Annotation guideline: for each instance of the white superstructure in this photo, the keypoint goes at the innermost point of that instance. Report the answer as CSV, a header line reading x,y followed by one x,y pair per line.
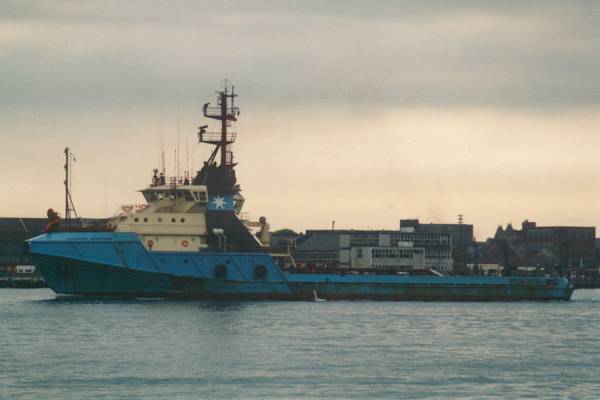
x,y
172,220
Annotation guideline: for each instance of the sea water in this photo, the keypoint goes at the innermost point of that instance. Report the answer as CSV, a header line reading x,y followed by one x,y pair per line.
x,y
71,348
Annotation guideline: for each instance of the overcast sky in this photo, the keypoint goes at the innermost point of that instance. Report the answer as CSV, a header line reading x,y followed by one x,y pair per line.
x,y
359,112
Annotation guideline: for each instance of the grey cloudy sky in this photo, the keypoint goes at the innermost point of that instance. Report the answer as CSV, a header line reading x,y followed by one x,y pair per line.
x,y
426,109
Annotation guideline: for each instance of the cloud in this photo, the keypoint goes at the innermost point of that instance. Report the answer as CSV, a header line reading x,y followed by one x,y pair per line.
x,y
508,55
389,109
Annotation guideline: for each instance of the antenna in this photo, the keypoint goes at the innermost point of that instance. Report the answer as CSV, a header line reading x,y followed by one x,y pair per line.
x,y
105,195
187,157
178,136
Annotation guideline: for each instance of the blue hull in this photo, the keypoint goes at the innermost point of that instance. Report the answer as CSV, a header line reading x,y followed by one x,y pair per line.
x,y
118,265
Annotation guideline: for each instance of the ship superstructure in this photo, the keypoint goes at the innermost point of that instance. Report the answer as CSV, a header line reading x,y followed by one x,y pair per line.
x,y
180,215
174,218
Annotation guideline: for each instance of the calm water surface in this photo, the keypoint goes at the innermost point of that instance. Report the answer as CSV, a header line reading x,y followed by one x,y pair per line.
x,y
66,348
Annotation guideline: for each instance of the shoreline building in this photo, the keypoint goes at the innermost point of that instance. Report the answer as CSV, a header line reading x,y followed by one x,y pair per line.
x,y
16,269
553,248
375,249
462,240
13,233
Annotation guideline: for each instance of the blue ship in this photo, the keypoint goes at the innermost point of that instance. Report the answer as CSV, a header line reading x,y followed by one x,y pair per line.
x,y
189,242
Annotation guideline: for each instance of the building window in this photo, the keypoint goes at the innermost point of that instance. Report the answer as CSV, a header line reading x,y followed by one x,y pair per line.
x,y
367,239
358,253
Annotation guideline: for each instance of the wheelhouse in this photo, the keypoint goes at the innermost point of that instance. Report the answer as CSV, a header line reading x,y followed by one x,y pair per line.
x,y
196,194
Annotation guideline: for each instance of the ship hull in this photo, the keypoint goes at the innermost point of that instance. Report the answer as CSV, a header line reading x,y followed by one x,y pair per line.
x,y
118,265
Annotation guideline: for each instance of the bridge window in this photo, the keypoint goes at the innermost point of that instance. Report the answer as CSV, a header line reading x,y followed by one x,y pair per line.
x,y
188,195
149,196
201,196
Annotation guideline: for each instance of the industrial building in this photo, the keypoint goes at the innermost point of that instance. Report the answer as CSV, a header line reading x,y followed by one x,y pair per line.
x,y
13,232
550,247
378,249
461,234
16,268
442,247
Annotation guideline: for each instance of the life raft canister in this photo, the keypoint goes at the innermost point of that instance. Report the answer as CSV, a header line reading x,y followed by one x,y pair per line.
x,y
260,271
220,271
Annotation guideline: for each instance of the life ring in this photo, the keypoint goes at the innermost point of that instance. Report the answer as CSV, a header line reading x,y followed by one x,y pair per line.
x,y
150,243
184,243
260,271
220,271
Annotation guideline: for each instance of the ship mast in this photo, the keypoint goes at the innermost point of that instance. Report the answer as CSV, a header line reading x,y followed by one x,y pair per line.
x,y
226,113
69,206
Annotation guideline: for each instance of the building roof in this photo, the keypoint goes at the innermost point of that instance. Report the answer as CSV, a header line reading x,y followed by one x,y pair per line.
x,y
319,240
349,231
30,225
27,225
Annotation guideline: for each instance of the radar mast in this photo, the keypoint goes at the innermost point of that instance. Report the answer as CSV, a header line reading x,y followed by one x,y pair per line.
x,y
226,112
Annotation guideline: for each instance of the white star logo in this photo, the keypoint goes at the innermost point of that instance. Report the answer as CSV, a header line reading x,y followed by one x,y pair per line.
x,y
219,202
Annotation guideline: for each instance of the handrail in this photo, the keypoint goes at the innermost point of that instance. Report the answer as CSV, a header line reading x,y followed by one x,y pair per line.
x,y
216,137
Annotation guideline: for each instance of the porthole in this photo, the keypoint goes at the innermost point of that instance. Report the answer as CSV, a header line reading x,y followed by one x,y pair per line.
x,y
136,219
159,219
220,271
173,220
260,271
182,220
145,219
